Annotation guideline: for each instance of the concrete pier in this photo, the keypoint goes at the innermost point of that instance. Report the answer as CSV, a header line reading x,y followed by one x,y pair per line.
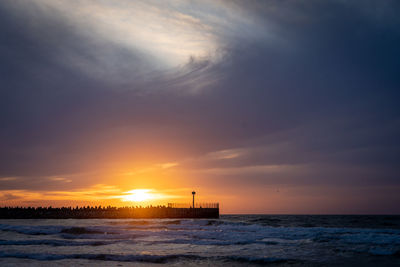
x,y
206,210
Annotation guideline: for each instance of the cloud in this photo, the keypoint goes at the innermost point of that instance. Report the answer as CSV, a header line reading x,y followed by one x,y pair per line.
x,y
306,87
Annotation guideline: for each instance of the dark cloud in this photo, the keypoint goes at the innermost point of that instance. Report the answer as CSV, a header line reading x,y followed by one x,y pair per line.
x,y
319,90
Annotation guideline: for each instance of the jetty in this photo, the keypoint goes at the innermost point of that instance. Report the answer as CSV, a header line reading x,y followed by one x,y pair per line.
x,y
172,210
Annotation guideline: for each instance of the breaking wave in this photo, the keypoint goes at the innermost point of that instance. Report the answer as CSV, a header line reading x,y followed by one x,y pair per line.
x,y
53,242
102,257
145,258
240,239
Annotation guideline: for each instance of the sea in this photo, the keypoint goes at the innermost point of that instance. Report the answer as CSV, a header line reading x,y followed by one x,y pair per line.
x,y
231,240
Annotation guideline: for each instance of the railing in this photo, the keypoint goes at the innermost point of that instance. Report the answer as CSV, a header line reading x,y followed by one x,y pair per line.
x,y
196,205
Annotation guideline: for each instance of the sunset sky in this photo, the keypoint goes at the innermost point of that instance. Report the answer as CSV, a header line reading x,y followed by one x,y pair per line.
x,y
264,106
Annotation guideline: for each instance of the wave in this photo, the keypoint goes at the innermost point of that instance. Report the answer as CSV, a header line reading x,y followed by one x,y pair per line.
x,y
31,230
260,260
66,231
149,223
102,257
146,222
80,231
66,242
215,242
214,232
54,243
146,258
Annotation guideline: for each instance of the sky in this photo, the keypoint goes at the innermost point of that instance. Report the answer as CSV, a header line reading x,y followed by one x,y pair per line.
x,y
282,107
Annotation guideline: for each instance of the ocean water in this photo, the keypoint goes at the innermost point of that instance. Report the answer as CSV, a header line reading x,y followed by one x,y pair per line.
x,y
232,240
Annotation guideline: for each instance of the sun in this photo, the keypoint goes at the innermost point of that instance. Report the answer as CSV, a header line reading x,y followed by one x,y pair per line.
x,y
143,195
138,195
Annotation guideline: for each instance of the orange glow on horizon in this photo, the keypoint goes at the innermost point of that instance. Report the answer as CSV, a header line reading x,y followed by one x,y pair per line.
x,y
137,195
141,195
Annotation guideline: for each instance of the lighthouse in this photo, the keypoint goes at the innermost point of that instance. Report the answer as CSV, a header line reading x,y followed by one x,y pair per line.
x,y
193,193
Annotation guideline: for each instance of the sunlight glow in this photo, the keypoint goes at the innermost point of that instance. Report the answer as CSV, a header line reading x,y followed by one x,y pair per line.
x,y
138,195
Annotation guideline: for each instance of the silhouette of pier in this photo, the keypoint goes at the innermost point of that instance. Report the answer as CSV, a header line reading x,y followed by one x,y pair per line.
x,y
173,210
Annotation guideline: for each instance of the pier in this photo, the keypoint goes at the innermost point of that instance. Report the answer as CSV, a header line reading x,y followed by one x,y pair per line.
x,y
173,210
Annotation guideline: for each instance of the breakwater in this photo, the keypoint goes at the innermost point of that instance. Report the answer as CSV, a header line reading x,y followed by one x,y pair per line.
x,y
210,210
